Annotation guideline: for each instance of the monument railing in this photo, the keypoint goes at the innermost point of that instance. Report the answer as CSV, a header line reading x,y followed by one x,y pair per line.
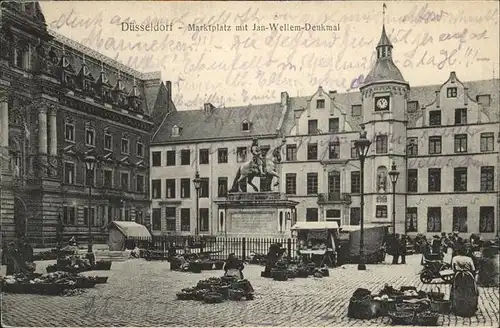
x,y
218,247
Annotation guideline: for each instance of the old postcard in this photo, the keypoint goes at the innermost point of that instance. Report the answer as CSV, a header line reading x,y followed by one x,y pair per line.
x,y
239,163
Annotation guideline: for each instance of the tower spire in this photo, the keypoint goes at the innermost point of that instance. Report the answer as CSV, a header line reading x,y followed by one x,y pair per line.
x,y
384,7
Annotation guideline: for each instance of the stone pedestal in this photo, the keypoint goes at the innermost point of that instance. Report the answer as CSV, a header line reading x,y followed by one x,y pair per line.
x,y
255,215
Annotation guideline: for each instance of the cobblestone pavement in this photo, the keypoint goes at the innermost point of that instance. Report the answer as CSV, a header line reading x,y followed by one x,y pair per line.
x,y
141,293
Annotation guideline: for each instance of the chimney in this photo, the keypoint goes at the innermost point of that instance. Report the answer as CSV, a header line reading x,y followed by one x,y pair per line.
x,y
332,93
437,99
168,85
208,108
466,96
284,99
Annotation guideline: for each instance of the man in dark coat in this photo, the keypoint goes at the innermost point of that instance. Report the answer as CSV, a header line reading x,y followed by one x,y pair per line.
x,y
403,249
396,249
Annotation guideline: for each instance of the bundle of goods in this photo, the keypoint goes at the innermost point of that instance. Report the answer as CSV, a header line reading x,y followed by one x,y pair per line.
x,y
216,290
360,305
49,283
310,269
77,264
193,264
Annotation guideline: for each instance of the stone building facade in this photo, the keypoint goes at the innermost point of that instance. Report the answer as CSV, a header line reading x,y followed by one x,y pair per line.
x,y
61,102
442,139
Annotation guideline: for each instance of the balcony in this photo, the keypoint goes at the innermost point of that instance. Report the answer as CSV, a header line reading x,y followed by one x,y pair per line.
x,y
334,198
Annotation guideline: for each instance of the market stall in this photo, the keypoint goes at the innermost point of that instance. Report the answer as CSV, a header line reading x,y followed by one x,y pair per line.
x,y
317,242
122,231
349,241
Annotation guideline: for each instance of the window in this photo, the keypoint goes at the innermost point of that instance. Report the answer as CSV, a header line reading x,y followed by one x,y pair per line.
x,y
19,58
412,147
355,182
434,118
461,116
381,144
89,176
434,219
356,110
451,92
170,188
140,183
204,219
311,214
69,132
170,218
354,149
69,215
460,219
156,189
333,215
222,187
69,173
312,127
291,183
264,150
171,157
185,219
460,179
107,178
125,146
486,219
185,188
334,149
434,180
108,141
139,216
312,183
312,151
487,142
355,216
89,137
460,143
176,130
140,149
412,106
156,219
204,188
487,176
320,103
124,178
412,180
333,125
291,152
411,219
185,157
381,211
435,145
86,216
241,154
222,155
156,158
245,126
204,156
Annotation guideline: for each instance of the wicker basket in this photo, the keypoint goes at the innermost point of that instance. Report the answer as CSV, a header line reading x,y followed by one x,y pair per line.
x,y
437,296
426,319
184,296
408,307
402,318
213,298
440,306
235,294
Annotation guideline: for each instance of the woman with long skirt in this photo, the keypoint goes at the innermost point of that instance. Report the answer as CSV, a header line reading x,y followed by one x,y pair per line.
x,y
463,293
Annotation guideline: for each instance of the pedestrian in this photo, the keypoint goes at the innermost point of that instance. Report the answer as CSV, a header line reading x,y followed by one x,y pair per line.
x,y
233,267
436,245
403,248
463,292
396,249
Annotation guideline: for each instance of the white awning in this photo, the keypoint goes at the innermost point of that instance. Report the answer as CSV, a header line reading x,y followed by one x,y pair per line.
x,y
131,229
323,225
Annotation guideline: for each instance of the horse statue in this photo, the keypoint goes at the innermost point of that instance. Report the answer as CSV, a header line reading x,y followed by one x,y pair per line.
x,y
249,170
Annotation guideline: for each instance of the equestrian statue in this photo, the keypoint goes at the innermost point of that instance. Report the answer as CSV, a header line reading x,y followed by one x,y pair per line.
x,y
258,166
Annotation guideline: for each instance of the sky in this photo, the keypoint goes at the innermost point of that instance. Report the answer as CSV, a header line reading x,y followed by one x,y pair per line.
x,y
247,59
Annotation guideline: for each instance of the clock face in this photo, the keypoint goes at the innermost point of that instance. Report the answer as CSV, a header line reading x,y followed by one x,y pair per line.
x,y
382,103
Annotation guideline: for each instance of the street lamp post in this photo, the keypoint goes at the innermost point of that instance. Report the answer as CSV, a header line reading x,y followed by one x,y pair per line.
x,y
197,186
90,165
362,145
394,174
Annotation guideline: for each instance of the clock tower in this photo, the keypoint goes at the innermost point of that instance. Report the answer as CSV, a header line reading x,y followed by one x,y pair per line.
x,y
384,99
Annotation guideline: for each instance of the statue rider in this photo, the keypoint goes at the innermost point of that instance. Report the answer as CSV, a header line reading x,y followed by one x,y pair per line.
x,y
257,156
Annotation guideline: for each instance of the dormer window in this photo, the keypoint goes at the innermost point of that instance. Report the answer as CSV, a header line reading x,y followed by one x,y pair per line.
x,y
245,126
412,106
451,92
320,103
176,130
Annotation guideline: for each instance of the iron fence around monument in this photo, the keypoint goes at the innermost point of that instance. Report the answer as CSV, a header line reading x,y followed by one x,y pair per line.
x,y
218,247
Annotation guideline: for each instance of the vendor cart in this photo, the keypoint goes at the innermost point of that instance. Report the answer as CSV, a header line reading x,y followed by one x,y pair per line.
x,y
317,242
349,242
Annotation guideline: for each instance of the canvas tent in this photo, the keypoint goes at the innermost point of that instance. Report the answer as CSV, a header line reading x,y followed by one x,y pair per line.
x,y
350,236
120,231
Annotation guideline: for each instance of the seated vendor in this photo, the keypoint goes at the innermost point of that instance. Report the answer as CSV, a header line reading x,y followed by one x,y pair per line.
x,y
233,267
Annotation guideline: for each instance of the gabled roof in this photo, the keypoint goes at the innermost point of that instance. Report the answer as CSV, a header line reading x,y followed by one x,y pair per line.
x,y
220,123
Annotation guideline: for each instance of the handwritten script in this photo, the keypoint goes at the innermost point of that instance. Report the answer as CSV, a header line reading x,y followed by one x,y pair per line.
x,y
242,65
